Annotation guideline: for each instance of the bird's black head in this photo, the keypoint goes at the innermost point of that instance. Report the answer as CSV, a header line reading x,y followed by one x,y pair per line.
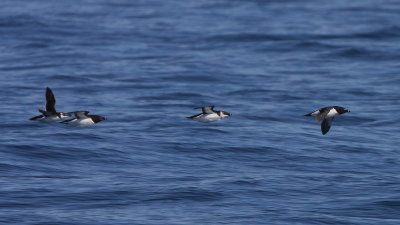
x,y
224,114
97,118
341,110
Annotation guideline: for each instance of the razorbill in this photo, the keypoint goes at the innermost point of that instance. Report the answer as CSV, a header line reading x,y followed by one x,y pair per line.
x,y
50,114
82,119
209,115
327,115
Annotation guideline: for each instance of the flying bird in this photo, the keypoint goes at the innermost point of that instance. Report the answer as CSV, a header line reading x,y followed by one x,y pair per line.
x,y
50,114
208,115
83,119
327,114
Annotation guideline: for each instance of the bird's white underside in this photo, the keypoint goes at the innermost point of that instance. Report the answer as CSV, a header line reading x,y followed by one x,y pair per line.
x,y
49,119
206,118
81,122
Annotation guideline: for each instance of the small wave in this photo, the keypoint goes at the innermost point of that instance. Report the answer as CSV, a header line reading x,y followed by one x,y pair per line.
x,y
385,33
359,218
40,152
21,21
391,204
32,45
174,96
188,194
361,92
8,205
10,167
240,37
390,32
197,79
249,92
31,67
310,44
247,182
354,52
208,130
362,54
80,79
255,150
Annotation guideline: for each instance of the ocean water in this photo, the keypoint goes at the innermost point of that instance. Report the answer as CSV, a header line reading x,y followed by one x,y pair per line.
x,y
145,65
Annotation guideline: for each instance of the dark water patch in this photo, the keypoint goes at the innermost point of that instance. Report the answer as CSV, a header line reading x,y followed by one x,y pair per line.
x,y
62,176
354,219
185,107
8,167
246,182
49,152
362,53
69,78
33,45
181,178
360,121
204,129
123,120
45,220
125,5
62,32
143,58
362,92
385,33
391,204
175,96
197,79
15,204
287,97
259,117
308,159
250,37
133,85
63,131
190,194
26,123
372,211
315,45
390,7
391,32
247,92
381,123
377,34
97,198
21,21
247,150
30,67
39,152
270,117
354,149
77,14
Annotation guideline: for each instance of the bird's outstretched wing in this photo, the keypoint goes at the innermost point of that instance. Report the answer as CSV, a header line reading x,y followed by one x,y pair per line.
x,y
194,116
50,101
208,109
81,114
326,125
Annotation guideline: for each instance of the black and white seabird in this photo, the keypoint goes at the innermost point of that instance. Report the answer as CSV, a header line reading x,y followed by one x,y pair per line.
x,y
50,115
82,119
327,115
209,115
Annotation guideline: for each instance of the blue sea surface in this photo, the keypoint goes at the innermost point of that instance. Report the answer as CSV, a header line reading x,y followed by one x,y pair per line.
x,y
145,65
